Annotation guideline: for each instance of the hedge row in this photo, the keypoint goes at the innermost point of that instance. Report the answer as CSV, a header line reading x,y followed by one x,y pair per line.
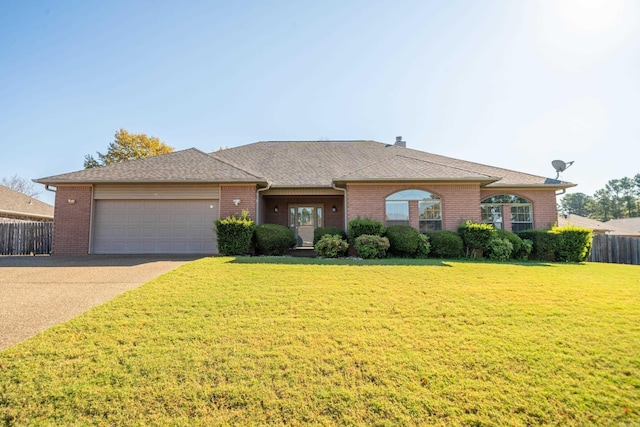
x,y
369,238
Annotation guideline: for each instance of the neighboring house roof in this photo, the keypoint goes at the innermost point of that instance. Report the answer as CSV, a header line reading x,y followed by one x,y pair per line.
x,y
17,205
583,222
191,165
304,164
597,226
627,224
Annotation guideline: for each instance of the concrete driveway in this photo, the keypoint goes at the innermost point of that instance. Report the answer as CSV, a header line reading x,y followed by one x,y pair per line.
x,y
39,292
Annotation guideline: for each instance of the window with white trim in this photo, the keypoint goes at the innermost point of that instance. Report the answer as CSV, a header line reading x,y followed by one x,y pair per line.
x,y
521,211
429,209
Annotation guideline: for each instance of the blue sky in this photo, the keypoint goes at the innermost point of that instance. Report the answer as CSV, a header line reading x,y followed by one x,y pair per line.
x,y
514,84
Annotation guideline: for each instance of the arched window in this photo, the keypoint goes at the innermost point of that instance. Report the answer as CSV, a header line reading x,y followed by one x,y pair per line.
x,y
428,205
520,209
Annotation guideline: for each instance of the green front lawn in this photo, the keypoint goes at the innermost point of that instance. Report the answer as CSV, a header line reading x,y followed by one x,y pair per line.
x,y
279,341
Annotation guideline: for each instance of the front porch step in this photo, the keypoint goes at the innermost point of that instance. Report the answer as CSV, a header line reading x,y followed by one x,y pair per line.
x,y
302,252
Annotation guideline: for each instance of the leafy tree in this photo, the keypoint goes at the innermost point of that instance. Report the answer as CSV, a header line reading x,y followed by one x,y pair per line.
x,y
21,185
602,206
614,187
628,200
576,203
128,146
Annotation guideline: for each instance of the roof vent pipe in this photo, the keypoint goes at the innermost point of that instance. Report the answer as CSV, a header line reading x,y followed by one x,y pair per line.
x,y
400,142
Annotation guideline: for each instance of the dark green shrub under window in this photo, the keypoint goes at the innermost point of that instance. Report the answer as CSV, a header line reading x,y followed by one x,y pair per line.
x,y
360,226
274,239
405,240
445,244
476,236
544,244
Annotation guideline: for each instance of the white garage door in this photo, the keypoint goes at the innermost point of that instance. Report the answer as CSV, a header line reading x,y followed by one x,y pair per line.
x,y
155,226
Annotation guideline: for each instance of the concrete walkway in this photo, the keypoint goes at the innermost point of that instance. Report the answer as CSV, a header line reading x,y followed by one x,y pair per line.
x,y
39,292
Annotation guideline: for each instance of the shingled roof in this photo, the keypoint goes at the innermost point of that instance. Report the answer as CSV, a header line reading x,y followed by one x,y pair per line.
x,y
304,164
191,165
323,163
17,205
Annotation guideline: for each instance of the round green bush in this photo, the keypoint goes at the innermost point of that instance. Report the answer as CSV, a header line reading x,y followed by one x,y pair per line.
x,y
331,246
498,249
404,240
274,239
519,249
369,246
445,244
321,231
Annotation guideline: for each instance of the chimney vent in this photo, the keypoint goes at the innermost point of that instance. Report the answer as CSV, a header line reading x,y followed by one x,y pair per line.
x,y
400,142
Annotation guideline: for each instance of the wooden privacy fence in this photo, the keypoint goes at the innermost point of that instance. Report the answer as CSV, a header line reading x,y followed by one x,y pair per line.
x,y
25,238
615,249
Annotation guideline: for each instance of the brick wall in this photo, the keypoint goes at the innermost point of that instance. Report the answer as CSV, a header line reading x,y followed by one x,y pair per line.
x,y
543,202
72,221
460,202
246,193
333,219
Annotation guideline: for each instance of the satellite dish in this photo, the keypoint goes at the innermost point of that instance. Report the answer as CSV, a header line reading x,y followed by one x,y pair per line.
x,y
560,166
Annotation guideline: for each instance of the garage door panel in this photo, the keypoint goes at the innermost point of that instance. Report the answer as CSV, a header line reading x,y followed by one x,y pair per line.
x,y
154,226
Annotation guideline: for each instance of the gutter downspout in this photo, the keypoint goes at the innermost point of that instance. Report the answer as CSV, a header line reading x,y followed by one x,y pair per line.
x,y
564,190
46,187
344,191
258,191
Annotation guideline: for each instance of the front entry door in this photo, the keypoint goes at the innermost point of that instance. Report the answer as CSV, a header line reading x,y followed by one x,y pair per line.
x,y
303,220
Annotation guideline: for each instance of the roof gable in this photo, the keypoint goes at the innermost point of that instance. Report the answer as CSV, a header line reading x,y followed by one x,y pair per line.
x,y
191,165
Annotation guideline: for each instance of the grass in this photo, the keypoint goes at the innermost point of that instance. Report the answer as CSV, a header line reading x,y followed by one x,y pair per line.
x,y
281,341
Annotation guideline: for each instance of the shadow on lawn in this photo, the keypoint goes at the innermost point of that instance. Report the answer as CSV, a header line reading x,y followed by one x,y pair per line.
x,y
338,261
430,262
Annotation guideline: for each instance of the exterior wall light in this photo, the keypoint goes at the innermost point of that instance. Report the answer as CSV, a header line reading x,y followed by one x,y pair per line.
x,y
276,209
334,209
236,202
72,201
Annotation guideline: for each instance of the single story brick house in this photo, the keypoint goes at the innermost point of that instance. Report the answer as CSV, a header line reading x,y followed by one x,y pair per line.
x,y
18,207
168,203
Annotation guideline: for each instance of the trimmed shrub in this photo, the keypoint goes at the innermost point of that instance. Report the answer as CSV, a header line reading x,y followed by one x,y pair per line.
x,y
476,236
445,244
322,231
235,234
424,247
518,251
369,246
404,241
274,239
499,249
360,226
574,243
331,246
543,244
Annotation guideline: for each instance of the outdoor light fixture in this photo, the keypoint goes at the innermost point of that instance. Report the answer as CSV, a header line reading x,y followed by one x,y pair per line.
x,y
236,202
334,209
276,209
71,201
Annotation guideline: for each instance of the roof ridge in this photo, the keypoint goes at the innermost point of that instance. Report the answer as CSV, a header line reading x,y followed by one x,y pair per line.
x,y
447,166
474,163
233,165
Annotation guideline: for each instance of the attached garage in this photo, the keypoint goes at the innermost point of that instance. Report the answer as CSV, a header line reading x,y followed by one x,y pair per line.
x,y
154,220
